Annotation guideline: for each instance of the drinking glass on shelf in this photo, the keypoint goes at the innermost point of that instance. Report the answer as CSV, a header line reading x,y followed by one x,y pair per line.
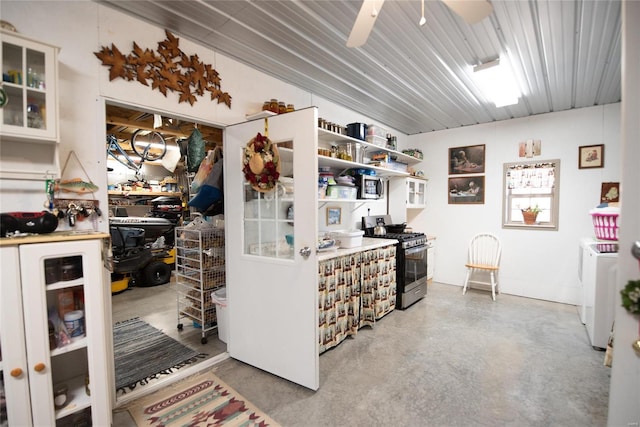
x,y
34,118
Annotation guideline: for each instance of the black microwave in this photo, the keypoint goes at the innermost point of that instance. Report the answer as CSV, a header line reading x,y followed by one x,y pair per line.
x,y
369,187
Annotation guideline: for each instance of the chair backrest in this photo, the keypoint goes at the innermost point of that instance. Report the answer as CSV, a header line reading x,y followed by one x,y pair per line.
x,y
484,249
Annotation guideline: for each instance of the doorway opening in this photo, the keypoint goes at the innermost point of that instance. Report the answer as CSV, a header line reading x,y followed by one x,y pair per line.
x,y
131,197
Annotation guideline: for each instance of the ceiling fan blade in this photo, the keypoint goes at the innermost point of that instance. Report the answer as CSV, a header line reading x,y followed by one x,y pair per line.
x,y
472,11
364,22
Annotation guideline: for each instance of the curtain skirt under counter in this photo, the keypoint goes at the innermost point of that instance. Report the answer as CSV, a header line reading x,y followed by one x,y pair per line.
x,y
354,291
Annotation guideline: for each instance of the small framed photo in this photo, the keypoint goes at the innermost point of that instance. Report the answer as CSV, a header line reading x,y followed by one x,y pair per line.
x,y
591,156
466,160
530,148
466,190
334,216
610,192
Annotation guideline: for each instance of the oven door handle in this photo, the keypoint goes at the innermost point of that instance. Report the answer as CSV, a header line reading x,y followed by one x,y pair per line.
x,y
413,250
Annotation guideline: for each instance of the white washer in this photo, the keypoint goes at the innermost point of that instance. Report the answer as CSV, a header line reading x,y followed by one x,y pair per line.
x,y
598,271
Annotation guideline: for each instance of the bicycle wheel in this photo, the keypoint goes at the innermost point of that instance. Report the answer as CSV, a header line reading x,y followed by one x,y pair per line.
x,y
149,145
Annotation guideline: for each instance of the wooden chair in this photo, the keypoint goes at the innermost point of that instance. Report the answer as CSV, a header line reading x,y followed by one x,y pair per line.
x,y
483,258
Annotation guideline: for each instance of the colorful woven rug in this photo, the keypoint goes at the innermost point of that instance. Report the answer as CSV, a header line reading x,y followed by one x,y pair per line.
x,y
199,401
143,353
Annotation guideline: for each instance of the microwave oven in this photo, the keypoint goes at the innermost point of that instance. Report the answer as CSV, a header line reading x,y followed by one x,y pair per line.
x,y
370,187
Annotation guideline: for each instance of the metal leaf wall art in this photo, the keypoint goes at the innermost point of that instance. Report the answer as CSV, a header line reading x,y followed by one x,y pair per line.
x,y
168,68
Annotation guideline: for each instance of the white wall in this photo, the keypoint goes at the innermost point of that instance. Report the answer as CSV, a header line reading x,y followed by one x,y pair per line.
x,y
81,28
535,263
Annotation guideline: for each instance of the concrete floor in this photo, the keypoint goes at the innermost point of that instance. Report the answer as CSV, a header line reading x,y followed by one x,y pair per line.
x,y
448,360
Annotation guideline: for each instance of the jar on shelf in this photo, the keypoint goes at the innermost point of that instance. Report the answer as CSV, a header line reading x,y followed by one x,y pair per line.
x,y
52,271
71,268
349,152
282,107
273,105
290,108
34,118
265,106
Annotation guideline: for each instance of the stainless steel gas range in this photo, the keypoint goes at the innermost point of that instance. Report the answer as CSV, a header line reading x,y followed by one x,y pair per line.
x,y
411,260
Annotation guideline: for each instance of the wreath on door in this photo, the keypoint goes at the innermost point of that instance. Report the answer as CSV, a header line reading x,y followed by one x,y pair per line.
x,y
261,163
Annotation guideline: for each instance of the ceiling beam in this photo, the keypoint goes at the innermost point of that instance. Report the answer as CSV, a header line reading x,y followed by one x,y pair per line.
x,y
119,121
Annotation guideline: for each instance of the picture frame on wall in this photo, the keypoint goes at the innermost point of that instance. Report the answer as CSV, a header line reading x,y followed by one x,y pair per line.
x,y
610,192
530,148
466,160
591,156
334,216
466,190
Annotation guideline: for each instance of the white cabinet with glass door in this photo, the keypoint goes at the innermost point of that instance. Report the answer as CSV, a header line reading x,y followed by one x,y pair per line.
x,y
29,115
416,193
406,193
43,275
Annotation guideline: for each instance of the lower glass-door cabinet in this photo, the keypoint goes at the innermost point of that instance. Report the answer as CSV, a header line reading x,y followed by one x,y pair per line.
x,y
53,333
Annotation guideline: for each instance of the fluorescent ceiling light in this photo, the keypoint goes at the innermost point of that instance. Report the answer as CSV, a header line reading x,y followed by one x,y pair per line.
x,y
497,83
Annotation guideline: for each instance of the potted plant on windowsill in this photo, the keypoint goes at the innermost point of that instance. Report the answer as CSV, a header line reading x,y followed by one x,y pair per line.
x,y
530,214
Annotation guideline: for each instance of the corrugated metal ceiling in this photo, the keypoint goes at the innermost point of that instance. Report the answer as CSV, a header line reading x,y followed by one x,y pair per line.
x,y
566,54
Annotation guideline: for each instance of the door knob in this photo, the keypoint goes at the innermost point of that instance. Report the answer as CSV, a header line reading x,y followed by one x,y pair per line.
x,y
635,250
16,372
305,252
39,367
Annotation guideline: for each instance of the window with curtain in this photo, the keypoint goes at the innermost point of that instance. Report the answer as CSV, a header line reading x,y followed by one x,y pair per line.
x,y
531,195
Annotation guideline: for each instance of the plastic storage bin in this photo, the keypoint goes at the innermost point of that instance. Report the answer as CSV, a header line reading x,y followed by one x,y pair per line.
x,y
342,192
348,239
219,297
377,140
377,131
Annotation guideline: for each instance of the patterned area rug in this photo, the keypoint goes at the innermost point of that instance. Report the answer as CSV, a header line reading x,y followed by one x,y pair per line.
x,y
202,400
143,353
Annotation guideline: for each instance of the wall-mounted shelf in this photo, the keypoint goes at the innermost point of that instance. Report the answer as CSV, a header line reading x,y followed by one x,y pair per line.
x,y
143,193
357,203
332,137
260,115
286,155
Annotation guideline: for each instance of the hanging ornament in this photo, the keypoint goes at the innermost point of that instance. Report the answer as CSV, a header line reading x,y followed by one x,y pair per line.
x,y
631,302
261,163
631,297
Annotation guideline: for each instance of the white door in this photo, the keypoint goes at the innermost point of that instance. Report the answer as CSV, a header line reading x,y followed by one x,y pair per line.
x,y
272,287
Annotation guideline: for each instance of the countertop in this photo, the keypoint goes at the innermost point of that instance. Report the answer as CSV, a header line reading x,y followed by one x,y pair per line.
x,y
56,236
367,243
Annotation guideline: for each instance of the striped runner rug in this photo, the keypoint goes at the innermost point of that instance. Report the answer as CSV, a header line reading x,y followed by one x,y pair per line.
x,y
144,353
198,401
